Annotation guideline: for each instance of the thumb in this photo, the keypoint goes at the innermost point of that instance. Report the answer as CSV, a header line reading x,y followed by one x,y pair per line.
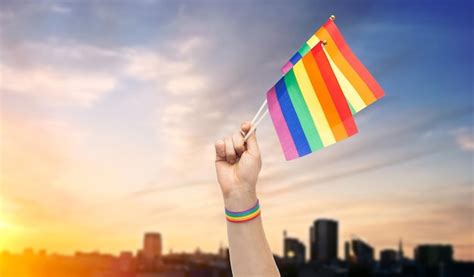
x,y
252,145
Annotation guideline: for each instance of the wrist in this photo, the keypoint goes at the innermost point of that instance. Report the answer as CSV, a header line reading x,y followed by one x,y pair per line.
x,y
240,200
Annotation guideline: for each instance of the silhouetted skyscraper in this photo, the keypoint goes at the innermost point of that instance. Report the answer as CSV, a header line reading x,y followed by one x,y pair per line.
x,y
400,250
324,241
347,251
294,250
388,258
152,246
433,254
363,252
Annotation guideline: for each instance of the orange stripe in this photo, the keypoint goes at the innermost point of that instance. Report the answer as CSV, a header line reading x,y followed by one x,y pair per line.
x,y
335,91
244,220
341,44
324,98
353,77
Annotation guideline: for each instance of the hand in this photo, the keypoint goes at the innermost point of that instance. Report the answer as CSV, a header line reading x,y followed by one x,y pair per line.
x,y
237,165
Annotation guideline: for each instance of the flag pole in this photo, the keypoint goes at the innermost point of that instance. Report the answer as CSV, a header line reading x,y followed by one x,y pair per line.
x,y
256,120
259,111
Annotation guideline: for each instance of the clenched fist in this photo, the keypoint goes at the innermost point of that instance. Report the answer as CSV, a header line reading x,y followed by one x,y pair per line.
x,y
238,164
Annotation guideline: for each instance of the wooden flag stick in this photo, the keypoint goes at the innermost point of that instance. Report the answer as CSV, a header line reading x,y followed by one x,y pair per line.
x,y
254,127
256,120
259,111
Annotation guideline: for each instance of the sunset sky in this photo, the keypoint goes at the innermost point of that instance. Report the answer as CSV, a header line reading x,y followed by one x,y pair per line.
x,y
109,111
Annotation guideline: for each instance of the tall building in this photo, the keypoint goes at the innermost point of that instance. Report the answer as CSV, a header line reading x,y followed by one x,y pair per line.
x,y
152,246
433,254
294,250
347,251
388,258
363,252
125,261
400,250
324,241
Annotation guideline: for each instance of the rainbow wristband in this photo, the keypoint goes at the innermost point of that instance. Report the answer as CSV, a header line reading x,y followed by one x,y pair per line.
x,y
243,216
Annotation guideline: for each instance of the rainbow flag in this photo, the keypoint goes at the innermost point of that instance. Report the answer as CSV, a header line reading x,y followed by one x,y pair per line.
x,y
356,82
308,107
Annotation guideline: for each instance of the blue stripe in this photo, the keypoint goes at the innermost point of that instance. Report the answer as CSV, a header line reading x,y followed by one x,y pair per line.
x,y
296,57
291,118
244,213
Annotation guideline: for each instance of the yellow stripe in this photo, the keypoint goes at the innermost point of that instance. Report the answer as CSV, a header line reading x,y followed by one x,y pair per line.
x,y
314,105
243,217
312,41
349,91
354,78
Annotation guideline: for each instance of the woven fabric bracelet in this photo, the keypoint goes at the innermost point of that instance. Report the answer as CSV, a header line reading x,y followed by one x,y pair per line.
x,y
243,216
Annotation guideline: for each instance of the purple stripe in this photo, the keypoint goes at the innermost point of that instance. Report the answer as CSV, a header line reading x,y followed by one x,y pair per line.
x,y
286,67
281,128
249,209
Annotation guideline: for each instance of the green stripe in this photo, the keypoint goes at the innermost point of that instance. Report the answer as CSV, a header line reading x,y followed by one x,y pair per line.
x,y
240,214
240,217
304,49
353,111
302,111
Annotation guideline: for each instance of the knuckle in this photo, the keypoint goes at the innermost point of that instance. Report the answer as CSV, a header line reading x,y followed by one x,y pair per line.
x,y
240,148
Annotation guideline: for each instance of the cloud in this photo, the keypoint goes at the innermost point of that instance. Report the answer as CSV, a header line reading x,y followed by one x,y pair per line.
x,y
188,84
192,45
313,180
59,9
175,71
58,72
56,87
465,139
39,145
66,73
146,65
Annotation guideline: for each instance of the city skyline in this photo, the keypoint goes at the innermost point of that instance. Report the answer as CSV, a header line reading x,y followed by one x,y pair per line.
x,y
109,112
149,260
326,240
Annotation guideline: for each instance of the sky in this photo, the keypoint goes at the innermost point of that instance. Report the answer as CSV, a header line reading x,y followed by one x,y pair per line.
x,y
109,112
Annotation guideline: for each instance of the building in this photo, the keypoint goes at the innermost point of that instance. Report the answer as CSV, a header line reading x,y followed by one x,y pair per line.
x,y
294,250
125,261
347,251
433,254
150,256
324,241
363,252
400,251
388,258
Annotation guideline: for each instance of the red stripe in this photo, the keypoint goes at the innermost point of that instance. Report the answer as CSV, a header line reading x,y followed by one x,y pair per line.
x,y
335,90
332,29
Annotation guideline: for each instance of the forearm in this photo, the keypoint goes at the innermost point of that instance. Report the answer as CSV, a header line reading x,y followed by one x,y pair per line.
x,y
250,254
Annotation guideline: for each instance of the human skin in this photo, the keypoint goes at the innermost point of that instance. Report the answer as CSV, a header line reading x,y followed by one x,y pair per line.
x,y
238,164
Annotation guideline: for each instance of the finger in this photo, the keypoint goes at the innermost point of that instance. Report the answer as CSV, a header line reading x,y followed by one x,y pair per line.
x,y
245,127
252,145
238,141
220,150
229,150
